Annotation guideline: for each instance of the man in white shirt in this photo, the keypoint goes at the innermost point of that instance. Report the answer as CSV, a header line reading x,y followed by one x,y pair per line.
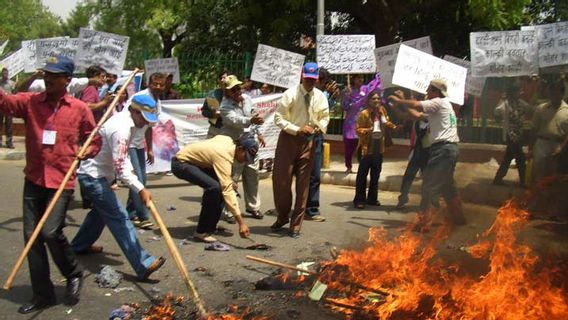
x,y
302,113
7,86
439,172
96,175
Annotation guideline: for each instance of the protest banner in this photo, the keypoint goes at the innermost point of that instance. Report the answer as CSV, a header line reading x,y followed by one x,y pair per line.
x,y
415,69
181,123
386,57
107,50
277,67
49,47
14,62
504,53
345,54
29,55
167,66
473,85
552,43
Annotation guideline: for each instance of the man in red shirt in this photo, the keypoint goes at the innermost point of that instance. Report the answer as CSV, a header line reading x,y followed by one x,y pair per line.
x,y
90,95
56,124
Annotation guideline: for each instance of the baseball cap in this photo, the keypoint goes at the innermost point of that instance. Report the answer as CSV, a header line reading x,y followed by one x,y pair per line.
x,y
231,81
147,105
249,144
310,70
59,64
440,85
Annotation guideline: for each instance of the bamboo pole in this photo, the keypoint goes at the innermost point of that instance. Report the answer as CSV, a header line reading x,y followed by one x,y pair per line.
x,y
178,260
68,175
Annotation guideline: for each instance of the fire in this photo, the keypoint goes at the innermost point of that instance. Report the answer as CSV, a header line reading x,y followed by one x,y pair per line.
x,y
164,310
416,284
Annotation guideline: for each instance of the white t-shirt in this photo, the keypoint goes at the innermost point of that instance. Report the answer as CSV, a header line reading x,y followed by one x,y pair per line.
x,y
139,134
442,120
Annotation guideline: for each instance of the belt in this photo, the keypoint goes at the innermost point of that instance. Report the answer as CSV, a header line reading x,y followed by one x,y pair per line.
x,y
439,143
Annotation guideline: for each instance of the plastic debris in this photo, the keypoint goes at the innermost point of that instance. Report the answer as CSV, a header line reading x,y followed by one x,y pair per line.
x,y
171,208
128,289
69,311
305,266
185,242
108,278
122,313
317,291
217,246
154,238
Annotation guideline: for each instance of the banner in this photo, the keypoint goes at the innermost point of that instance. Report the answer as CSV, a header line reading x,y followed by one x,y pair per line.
x,y
14,62
414,69
107,50
473,85
386,57
46,48
181,123
552,43
277,67
167,65
345,54
503,53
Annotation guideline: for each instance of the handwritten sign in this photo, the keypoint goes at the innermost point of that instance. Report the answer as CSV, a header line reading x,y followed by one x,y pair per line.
x,y
473,85
277,67
552,43
107,50
14,62
168,66
29,53
503,53
46,48
343,54
415,69
386,57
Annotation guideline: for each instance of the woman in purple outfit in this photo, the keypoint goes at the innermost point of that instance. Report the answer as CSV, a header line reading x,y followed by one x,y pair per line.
x,y
353,102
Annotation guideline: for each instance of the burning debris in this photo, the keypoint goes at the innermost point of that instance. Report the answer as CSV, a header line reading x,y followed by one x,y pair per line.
x,y
108,278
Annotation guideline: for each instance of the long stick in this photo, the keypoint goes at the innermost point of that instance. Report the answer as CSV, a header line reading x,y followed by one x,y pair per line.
x,y
278,264
178,260
66,179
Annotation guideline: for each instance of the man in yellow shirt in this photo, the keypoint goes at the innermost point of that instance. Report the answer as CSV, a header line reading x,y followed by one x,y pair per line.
x,y
208,164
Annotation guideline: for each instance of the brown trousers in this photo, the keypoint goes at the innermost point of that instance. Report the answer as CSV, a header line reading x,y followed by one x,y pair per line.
x,y
293,158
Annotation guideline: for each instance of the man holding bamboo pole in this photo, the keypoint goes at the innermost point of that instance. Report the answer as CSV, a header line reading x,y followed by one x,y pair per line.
x,y
56,124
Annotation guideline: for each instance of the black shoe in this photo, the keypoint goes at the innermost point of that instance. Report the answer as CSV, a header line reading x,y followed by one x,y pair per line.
x,y
256,214
157,264
277,226
375,203
499,182
35,306
73,290
294,234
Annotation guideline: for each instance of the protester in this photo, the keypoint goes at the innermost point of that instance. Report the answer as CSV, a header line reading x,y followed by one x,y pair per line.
x,y
208,164
212,112
249,89
121,100
302,113
96,175
439,172
169,92
265,89
56,124
372,124
353,101
90,95
109,86
6,86
239,118
512,112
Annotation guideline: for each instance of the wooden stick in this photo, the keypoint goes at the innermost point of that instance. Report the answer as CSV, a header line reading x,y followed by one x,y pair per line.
x,y
278,264
68,175
178,260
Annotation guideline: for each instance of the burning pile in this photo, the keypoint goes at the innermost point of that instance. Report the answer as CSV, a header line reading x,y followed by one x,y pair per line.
x,y
419,285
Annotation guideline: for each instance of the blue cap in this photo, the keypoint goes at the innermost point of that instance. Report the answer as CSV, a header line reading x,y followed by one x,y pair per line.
x,y
310,70
147,105
249,144
59,64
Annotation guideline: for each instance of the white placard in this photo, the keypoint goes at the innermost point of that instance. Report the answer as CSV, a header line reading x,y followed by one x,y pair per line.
x,y
107,50
344,54
14,62
167,65
503,53
386,57
473,85
552,43
29,53
49,47
415,69
277,67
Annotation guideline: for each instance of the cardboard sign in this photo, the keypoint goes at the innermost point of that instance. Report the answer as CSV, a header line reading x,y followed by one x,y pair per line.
x,y
473,85
277,67
344,54
415,69
503,53
46,48
386,57
552,43
29,55
14,62
107,50
167,66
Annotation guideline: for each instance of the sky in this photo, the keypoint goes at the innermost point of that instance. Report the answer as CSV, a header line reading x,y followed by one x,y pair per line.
x,y
61,8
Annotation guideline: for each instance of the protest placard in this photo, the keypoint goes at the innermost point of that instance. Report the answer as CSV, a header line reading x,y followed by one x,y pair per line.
x,y
277,67
345,54
107,50
49,47
415,69
167,66
473,85
552,43
14,62
29,55
386,57
503,53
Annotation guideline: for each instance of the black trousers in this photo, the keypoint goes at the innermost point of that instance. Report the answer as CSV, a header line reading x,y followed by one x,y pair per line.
x,y
514,151
36,200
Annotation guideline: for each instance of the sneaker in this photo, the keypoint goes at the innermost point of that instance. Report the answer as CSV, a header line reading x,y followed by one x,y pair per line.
x,y
256,214
316,218
146,224
135,221
157,264
204,237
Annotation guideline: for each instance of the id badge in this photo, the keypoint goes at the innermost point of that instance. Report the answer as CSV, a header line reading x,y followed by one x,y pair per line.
x,y
49,137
